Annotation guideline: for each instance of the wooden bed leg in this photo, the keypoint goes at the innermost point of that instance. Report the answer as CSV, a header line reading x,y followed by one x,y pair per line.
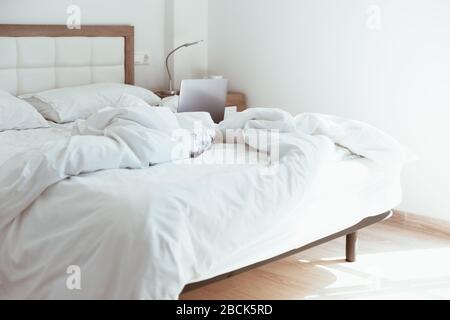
x,y
350,247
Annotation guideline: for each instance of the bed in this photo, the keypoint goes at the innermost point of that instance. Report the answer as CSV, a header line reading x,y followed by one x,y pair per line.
x,y
242,220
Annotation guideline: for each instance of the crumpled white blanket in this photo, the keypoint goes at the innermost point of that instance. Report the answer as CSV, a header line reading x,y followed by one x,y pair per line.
x,y
114,138
180,235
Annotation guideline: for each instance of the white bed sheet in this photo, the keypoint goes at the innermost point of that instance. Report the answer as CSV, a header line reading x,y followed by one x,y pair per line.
x,y
346,192
13,142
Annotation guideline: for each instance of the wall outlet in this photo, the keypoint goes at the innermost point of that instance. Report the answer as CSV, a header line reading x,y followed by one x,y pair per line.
x,y
141,58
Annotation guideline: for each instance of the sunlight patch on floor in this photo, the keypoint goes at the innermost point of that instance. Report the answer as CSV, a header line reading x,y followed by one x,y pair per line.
x,y
409,274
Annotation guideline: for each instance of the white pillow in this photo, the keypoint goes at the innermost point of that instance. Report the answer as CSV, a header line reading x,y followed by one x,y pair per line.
x,y
16,114
171,103
130,101
70,104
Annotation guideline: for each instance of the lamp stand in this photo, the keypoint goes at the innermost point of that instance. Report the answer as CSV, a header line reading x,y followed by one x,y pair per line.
x,y
171,91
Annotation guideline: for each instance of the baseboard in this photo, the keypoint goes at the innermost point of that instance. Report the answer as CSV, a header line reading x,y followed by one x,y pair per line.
x,y
420,223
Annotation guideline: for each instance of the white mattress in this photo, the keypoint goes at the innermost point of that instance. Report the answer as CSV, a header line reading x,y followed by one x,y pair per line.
x,y
346,193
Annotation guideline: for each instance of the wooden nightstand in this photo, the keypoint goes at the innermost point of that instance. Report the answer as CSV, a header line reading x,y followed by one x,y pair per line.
x,y
160,94
237,99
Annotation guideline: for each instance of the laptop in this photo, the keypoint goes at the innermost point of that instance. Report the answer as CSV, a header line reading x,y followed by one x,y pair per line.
x,y
207,95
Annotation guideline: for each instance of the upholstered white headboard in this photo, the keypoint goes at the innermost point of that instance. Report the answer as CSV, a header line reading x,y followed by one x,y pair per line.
x,y
34,58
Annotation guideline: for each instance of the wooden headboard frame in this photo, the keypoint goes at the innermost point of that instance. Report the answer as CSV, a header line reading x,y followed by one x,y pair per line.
x,y
37,30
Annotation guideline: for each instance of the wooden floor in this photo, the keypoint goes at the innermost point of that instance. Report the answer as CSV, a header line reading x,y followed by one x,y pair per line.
x,y
394,262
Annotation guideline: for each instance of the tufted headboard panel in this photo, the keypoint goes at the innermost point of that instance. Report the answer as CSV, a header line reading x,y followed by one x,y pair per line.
x,y
34,58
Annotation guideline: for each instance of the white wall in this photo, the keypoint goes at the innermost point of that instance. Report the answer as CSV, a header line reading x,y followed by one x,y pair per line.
x,y
159,25
187,21
320,56
190,24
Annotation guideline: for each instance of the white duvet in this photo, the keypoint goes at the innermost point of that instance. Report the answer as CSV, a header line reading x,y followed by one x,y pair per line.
x,y
112,200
